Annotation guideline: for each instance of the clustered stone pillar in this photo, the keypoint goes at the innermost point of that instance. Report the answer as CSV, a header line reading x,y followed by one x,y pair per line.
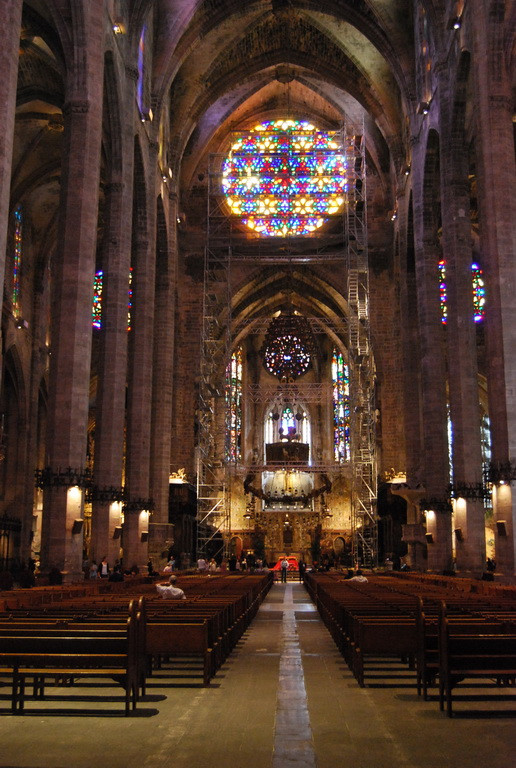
x,y
163,387
111,391
497,205
9,44
73,272
433,371
461,337
140,371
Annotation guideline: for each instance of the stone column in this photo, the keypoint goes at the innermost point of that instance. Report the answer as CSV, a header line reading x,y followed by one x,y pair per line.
x,y
410,353
461,334
497,206
139,405
110,408
432,367
72,276
163,386
9,44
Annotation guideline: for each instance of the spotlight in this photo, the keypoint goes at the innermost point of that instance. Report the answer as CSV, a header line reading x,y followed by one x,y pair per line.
x,y
423,108
454,22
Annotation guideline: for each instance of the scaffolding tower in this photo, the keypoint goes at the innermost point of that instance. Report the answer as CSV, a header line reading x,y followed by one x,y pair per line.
x,y
226,244
364,524
213,503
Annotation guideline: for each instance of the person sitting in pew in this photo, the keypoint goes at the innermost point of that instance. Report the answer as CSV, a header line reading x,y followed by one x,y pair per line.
x,y
359,576
169,591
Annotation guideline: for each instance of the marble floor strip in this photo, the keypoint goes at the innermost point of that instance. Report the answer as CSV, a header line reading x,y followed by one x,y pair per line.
x,y
293,743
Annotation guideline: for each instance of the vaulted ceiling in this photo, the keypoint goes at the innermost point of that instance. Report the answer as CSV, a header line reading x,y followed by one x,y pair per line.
x,y
229,65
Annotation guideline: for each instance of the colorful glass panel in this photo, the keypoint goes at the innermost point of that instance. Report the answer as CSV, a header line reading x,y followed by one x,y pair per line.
x,y
288,420
234,406
140,88
130,299
96,313
478,288
479,293
287,357
442,291
485,445
341,414
17,260
284,178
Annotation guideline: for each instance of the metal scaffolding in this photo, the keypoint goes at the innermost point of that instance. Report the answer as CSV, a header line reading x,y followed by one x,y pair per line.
x,y
361,364
213,503
228,244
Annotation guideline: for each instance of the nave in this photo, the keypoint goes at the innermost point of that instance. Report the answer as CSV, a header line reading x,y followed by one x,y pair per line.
x,y
283,698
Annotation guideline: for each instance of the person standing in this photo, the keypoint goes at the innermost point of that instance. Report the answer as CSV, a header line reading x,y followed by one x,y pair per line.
x,y
302,570
104,568
284,569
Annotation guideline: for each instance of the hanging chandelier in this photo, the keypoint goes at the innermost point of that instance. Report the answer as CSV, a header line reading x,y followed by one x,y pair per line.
x,y
288,346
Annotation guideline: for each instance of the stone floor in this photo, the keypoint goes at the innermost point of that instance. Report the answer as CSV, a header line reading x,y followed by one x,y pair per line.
x,y
284,699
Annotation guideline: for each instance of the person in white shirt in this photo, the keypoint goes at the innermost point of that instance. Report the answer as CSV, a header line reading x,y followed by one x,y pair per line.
x,y
169,591
359,576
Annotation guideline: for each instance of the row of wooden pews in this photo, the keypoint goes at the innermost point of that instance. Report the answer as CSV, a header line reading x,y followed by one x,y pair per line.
x,y
98,634
446,634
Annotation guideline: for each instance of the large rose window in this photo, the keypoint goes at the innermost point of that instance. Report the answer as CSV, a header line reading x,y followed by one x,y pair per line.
x,y
285,178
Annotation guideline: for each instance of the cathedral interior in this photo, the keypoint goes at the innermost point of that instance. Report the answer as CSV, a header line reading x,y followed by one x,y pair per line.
x,y
259,282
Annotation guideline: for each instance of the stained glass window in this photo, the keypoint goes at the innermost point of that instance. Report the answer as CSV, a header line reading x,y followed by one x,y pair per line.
x,y
287,357
341,415
449,431
479,293
130,298
485,445
140,88
284,178
478,288
17,260
96,313
442,291
234,406
287,420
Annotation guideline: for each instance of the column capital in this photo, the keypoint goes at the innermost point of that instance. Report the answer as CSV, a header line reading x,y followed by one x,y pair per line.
x,y
113,186
132,73
500,100
76,106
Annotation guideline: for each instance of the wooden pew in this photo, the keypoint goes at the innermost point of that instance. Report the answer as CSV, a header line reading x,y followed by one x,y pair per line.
x,y
183,639
385,636
74,654
427,666
473,656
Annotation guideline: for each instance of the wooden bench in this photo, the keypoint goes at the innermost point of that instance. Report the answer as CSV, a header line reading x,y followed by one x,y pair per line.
x,y
182,639
61,654
427,665
385,636
473,656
